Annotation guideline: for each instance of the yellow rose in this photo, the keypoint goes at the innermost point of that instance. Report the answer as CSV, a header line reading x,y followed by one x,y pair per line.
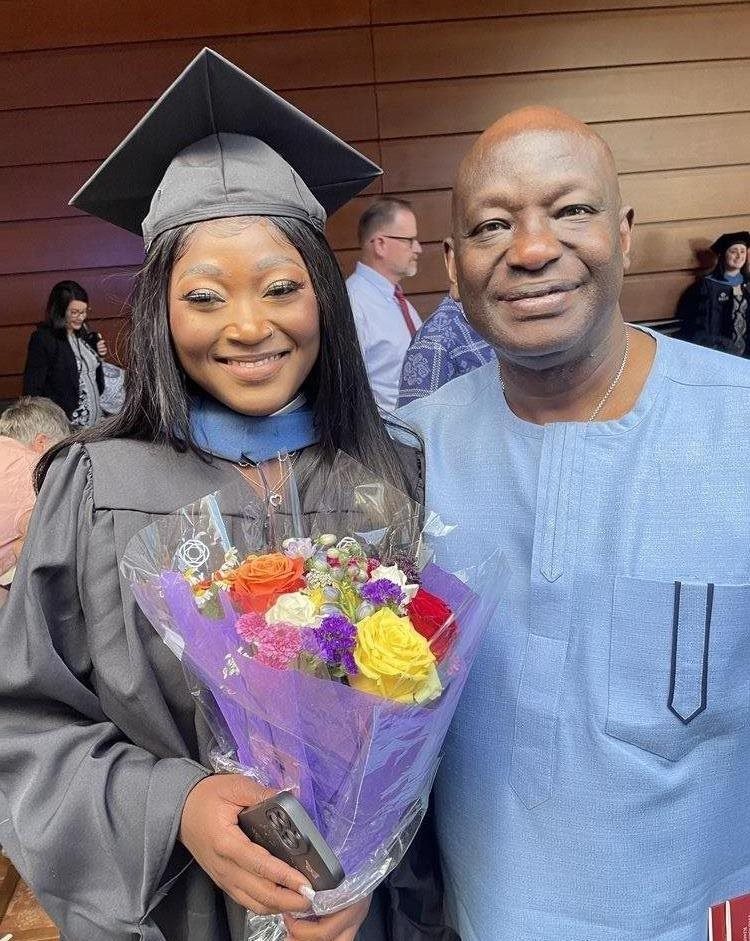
x,y
394,661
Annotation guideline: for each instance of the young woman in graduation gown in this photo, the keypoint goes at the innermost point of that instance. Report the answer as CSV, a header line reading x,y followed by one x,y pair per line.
x,y
242,345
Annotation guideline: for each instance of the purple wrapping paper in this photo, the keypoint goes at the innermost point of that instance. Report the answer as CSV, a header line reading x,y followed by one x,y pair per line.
x,y
358,763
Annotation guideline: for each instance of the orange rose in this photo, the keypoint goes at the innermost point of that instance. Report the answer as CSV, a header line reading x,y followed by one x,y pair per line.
x,y
259,581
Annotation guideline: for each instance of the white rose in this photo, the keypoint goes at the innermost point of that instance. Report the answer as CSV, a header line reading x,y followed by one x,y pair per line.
x,y
394,574
294,608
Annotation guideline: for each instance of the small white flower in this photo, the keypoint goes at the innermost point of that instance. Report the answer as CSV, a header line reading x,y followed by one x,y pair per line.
x,y
394,574
293,608
298,547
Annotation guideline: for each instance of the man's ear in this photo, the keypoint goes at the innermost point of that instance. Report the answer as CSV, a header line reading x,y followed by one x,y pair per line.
x,y
377,243
41,443
449,258
627,214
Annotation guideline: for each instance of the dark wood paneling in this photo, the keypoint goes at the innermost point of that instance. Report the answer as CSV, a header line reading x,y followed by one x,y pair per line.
x,y
25,295
653,144
10,387
142,71
707,140
612,94
680,245
115,333
425,304
51,245
61,135
90,132
688,194
41,191
395,11
513,45
50,23
653,296
14,342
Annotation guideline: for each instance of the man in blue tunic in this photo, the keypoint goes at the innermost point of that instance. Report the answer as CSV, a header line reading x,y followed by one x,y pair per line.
x,y
596,782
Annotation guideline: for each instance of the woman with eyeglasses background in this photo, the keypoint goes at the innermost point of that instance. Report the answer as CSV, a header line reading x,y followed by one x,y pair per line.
x,y
63,362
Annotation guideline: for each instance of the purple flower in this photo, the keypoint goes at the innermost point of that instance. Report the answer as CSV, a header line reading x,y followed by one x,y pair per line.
x,y
382,591
349,664
407,566
310,642
335,637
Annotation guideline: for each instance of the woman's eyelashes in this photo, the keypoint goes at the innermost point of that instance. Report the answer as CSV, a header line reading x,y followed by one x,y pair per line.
x,y
282,288
207,298
202,298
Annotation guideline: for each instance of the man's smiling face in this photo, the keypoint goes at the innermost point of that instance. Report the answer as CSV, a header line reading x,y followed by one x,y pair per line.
x,y
540,240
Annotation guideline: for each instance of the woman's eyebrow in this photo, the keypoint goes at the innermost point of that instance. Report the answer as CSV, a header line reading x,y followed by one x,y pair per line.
x,y
202,268
275,261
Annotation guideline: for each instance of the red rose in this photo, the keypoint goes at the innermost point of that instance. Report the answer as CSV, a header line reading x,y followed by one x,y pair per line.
x,y
429,615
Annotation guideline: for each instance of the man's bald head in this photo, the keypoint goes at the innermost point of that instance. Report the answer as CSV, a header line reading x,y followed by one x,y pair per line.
x,y
540,237
482,161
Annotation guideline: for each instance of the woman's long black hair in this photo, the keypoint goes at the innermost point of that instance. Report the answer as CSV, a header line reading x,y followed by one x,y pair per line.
x,y
157,391
57,304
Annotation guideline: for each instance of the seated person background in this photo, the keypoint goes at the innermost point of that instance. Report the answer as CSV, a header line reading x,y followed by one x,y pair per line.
x,y
28,428
444,347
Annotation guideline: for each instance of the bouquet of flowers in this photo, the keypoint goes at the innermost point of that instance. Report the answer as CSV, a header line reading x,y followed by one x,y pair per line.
x,y
327,649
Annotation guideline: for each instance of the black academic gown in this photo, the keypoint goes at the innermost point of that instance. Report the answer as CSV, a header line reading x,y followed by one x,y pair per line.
x,y
100,741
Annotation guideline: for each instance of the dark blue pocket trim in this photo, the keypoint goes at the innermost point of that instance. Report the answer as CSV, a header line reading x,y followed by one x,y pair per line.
x,y
674,664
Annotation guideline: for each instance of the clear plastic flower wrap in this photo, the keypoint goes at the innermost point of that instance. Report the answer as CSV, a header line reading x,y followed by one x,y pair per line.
x,y
325,647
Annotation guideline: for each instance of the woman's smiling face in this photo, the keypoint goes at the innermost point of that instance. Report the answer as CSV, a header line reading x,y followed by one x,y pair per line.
x,y
243,314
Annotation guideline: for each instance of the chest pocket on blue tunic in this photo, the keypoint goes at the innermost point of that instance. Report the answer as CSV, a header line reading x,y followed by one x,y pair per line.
x,y
679,670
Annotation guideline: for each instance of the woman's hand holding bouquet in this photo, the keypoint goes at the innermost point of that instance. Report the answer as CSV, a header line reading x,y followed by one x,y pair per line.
x,y
246,872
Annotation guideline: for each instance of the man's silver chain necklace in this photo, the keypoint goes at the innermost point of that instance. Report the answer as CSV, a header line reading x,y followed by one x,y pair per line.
x,y
612,386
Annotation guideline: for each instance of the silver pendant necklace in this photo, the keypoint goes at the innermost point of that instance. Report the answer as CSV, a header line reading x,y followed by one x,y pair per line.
x,y
612,386
276,494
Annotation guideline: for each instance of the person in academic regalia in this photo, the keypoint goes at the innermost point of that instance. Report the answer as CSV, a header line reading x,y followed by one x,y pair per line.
x,y
242,346
715,312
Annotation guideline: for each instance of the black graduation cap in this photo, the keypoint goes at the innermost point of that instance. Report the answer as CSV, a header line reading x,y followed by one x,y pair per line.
x,y
217,144
723,242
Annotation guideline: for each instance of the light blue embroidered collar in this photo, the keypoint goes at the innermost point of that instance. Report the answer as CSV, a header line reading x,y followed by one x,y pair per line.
x,y
220,431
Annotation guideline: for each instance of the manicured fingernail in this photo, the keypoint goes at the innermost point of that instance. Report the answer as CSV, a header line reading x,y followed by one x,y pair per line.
x,y
307,892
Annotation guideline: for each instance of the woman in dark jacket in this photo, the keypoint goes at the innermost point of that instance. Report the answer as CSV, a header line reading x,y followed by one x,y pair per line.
x,y
716,311
64,358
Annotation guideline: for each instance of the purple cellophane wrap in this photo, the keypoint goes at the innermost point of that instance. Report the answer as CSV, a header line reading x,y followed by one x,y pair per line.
x,y
358,763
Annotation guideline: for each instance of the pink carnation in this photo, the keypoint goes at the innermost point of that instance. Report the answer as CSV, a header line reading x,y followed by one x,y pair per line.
x,y
248,626
275,645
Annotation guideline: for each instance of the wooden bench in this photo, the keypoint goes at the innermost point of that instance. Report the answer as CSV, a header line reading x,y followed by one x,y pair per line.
x,y
21,916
